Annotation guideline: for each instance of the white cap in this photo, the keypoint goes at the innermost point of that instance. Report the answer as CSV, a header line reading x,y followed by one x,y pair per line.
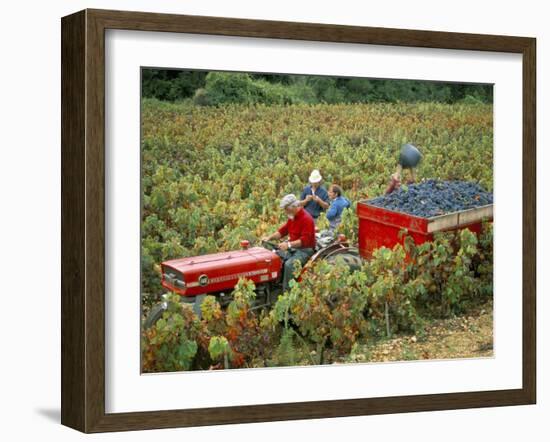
x,y
288,200
315,177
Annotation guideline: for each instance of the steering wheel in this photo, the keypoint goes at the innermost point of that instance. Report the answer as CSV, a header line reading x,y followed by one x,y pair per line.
x,y
270,245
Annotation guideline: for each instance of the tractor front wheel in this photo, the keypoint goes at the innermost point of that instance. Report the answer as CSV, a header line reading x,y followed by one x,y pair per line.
x,y
158,309
155,314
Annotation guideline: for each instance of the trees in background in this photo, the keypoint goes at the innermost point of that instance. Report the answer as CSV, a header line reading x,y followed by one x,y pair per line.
x,y
171,84
215,88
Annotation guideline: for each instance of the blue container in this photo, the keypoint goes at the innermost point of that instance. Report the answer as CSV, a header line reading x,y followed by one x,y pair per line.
x,y
410,156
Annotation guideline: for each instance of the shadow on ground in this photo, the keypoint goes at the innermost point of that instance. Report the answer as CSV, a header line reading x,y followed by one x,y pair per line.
x,y
52,414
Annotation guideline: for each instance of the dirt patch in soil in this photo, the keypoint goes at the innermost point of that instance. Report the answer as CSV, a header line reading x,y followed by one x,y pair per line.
x,y
467,336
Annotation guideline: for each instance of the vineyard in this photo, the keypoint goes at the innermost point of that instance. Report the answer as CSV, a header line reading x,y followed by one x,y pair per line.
x,y
212,176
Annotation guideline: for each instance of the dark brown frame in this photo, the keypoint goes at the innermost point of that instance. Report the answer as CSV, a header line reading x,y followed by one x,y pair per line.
x,y
83,216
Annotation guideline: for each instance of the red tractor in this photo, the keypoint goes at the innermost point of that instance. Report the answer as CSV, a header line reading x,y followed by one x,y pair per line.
x,y
217,274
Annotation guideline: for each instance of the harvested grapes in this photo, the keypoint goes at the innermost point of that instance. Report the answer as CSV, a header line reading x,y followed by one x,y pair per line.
x,y
432,198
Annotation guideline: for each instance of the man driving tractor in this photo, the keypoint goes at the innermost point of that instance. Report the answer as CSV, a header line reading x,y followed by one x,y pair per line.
x,y
300,229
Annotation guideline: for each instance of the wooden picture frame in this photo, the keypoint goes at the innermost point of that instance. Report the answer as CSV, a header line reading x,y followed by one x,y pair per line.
x,y
83,220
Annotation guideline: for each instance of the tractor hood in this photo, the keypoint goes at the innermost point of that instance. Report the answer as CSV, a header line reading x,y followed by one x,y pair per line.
x,y
220,271
216,259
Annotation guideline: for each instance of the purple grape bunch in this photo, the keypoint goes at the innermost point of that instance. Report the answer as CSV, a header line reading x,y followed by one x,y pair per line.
x,y
433,197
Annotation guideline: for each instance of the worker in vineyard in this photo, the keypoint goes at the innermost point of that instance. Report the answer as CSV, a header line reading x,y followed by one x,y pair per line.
x,y
409,157
314,197
338,203
300,230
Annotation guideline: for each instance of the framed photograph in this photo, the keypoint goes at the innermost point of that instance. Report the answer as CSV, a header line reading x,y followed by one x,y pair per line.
x,y
267,220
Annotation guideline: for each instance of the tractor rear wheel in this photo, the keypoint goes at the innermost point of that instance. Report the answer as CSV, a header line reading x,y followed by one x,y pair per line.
x,y
349,257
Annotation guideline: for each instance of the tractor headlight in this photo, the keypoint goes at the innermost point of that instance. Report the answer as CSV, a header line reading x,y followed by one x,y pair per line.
x,y
174,279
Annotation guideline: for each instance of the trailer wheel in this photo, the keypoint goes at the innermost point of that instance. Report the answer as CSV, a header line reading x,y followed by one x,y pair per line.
x,y
155,314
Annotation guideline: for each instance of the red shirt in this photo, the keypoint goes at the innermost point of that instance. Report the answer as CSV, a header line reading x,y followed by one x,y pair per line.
x,y
301,227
